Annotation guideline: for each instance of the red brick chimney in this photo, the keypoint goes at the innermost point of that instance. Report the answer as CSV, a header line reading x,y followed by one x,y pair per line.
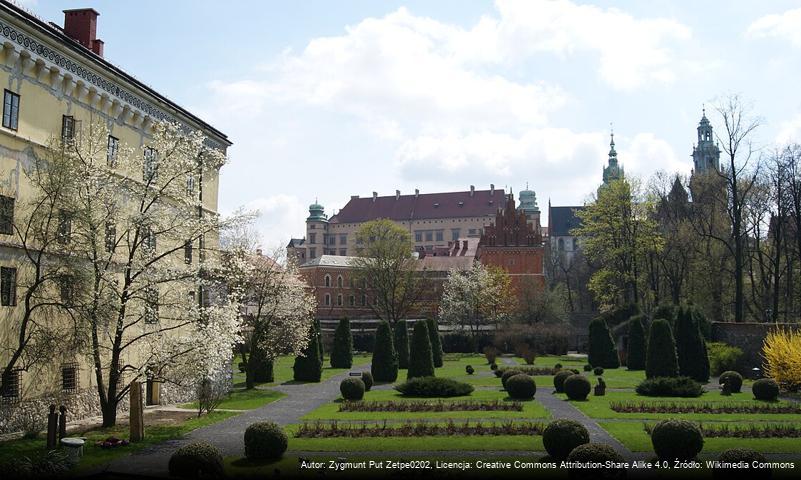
x,y
81,25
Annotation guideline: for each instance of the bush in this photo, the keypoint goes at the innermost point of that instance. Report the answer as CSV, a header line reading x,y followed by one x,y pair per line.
x,y
421,360
557,366
765,389
544,339
436,342
308,365
367,378
598,453
521,386
577,387
635,356
342,349
197,459
562,436
352,388
434,387
508,373
670,387
690,347
464,342
265,441
494,367
667,312
491,354
677,440
260,366
733,379
385,360
741,455
723,357
588,368
661,360
618,315
469,370
782,353
527,355
602,352
559,380
402,344
598,371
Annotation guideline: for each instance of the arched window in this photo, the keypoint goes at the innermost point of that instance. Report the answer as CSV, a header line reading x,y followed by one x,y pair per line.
x,y
339,281
339,300
327,299
327,280
364,300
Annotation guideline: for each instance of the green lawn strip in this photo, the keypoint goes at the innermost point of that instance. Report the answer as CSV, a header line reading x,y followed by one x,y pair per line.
x,y
633,436
330,411
94,455
241,399
599,407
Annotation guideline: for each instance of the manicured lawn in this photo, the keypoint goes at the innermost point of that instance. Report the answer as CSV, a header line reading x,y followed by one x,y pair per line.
x,y
282,370
241,399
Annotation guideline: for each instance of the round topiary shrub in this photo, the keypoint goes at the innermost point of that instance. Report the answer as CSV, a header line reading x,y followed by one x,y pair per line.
x,y
677,440
265,441
740,455
561,436
521,386
557,366
469,370
559,380
507,374
765,389
493,366
733,379
598,370
596,453
352,388
577,387
367,378
588,368
197,459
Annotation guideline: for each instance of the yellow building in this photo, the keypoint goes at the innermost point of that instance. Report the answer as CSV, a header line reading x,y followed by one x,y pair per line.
x,y
54,80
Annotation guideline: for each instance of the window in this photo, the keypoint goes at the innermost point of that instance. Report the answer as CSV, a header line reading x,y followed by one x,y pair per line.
x,y
343,252
151,305
111,237
339,300
69,378
111,151
312,238
328,280
6,215
312,253
67,128
418,236
10,110
343,239
150,165
190,185
339,281
471,231
429,236
364,300
188,252
454,234
439,235
64,227
327,299
351,300
8,286
11,385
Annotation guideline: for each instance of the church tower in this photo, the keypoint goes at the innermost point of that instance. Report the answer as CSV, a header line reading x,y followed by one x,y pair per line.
x,y
706,155
612,171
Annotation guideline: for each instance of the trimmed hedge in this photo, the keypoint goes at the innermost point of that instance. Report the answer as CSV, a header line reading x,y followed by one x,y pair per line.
x,y
385,359
421,361
367,378
402,343
670,387
561,436
436,342
677,440
342,349
577,387
765,389
602,351
430,387
197,459
507,374
733,379
661,360
352,388
521,387
597,453
559,380
691,347
265,441
308,365
635,357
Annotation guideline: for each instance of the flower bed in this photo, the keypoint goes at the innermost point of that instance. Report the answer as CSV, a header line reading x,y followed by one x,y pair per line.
x,y
745,431
438,406
706,407
418,429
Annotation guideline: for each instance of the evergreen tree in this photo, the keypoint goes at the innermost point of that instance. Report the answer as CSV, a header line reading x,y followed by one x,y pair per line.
x,y
308,365
690,347
402,343
661,360
421,360
259,368
666,311
436,342
385,359
342,349
602,352
320,350
636,354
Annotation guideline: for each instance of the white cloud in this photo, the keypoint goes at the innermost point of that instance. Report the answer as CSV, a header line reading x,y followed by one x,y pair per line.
x,y
790,131
785,26
280,218
646,152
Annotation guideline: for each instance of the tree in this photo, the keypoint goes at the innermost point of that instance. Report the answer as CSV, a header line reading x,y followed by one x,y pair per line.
x,y
421,361
661,358
385,360
308,365
602,351
385,268
436,342
342,349
690,347
635,359
402,343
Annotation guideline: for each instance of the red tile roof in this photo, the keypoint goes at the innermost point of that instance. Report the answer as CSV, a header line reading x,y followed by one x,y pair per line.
x,y
423,206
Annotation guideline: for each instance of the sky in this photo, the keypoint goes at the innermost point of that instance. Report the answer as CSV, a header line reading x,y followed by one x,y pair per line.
x,y
324,100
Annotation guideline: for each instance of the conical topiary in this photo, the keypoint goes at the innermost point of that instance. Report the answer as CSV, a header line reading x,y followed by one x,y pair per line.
x,y
320,350
690,347
402,343
661,360
308,365
635,358
421,361
436,342
385,359
602,352
342,349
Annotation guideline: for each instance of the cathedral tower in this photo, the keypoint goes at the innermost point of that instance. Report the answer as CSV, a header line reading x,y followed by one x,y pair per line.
x,y
706,155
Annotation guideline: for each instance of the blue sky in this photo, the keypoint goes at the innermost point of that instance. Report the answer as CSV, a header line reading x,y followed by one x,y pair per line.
x,y
330,99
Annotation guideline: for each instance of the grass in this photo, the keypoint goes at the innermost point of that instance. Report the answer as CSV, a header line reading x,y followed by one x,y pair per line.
x,y
241,399
282,370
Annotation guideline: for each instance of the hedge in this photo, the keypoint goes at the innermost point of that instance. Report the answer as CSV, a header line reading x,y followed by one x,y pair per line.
x,y
661,360
602,352
421,361
436,342
690,347
342,349
635,358
308,365
385,360
402,343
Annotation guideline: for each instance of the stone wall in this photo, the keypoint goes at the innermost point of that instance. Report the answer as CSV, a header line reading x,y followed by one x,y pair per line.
x,y
748,337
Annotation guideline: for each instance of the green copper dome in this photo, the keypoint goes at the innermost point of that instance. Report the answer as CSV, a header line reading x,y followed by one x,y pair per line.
x,y
317,213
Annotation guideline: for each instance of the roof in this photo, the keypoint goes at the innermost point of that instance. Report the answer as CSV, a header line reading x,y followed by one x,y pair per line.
x,y
296,242
563,219
423,206
329,261
430,263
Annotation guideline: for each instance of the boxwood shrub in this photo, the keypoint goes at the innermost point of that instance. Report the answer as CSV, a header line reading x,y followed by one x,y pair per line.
x,y
677,440
197,459
599,453
265,441
765,389
561,436
559,380
507,374
367,378
434,387
598,370
521,386
577,387
733,379
670,387
352,388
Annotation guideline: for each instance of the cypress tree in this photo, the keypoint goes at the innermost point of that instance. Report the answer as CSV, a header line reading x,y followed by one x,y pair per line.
x,y
661,360
421,360
385,359
320,350
602,352
259,368
308,365
402,343
436,342
666,311
636,354
342,349
690,347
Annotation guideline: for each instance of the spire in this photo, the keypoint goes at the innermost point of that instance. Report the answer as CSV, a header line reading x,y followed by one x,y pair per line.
x,y
612,152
